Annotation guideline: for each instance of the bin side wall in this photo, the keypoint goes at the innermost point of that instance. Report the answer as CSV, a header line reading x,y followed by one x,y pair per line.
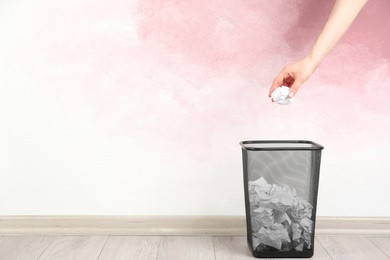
x,y
297,169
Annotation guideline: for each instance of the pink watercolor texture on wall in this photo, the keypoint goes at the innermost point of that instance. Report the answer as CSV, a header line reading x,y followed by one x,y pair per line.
x,y
196,73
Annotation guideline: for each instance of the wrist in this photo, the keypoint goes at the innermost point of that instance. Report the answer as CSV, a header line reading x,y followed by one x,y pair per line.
x,y
312,62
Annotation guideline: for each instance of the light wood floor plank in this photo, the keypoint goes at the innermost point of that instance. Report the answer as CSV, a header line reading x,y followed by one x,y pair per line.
x,y
351,247
186,247
75,247
24,247
18,247
236,248
383,243
130,247
231,248
319,251
2,238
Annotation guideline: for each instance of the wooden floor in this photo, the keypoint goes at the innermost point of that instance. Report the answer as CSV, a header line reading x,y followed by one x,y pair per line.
x,y
12,247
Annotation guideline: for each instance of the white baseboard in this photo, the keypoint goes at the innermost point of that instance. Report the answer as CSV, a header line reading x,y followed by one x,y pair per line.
x,y
173,225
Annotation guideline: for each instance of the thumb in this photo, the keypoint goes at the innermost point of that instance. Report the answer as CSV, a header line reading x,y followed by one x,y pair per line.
x,y
278,81
294,87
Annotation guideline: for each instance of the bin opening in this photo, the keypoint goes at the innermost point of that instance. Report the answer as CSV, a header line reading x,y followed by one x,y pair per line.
x,y
280,145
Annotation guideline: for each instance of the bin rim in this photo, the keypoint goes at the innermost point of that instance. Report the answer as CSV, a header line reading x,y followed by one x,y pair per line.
x,y
314,146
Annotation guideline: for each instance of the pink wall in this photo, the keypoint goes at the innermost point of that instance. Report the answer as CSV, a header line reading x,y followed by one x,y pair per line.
x,y
199,71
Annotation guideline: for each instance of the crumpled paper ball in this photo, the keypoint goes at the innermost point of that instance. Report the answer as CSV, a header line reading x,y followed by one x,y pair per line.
x,y
301,209
264,216
273,236
259,191
280,95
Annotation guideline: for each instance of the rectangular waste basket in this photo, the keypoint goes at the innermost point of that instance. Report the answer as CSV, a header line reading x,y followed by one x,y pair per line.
x,y
281,186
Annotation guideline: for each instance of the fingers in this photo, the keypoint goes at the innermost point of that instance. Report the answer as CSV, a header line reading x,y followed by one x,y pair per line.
x,y
278,81
294,87
292,76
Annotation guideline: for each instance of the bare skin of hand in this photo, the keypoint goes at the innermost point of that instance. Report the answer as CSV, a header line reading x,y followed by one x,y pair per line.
x,y
293,76
341,17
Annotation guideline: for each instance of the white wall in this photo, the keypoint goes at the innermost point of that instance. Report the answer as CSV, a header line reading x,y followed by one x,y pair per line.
x,y
57,160
91,123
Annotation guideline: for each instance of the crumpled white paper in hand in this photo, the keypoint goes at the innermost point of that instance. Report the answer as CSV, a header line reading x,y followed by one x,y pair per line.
x,y
280,95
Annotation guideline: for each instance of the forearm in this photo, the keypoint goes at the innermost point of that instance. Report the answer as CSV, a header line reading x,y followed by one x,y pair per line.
x,y
341,17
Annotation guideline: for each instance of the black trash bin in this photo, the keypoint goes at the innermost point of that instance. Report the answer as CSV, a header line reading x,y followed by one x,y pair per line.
x,y
281,186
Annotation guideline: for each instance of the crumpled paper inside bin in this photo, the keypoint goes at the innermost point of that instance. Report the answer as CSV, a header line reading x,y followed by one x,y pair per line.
x,y
280,219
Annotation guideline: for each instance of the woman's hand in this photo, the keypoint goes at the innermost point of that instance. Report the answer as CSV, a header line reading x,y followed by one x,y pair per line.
x,y
294,76
341,17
